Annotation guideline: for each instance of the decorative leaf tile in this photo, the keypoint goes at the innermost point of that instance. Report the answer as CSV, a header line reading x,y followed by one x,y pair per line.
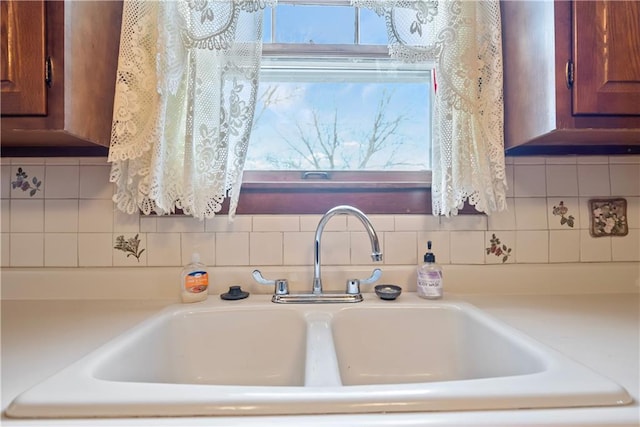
x,y
131,246
498,249
563,212
23,182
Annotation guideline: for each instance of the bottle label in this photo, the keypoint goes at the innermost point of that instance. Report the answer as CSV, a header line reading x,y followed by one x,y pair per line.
x,y
430,284
196,282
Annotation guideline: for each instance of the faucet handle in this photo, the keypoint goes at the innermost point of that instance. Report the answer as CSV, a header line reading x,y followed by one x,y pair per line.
x,y
281,285
353,285
375,275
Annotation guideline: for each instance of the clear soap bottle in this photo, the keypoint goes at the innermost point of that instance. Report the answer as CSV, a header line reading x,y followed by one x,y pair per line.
x,y
429,276
194,280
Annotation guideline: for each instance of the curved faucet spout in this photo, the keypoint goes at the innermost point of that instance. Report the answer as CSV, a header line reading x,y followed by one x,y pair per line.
x,y
376,254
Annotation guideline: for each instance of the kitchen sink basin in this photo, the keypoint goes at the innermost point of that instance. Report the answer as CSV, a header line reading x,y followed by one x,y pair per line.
x,y
252,357
224,347
425,344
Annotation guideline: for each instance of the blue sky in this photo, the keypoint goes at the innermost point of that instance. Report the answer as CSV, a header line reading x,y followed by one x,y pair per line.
x,y
356,103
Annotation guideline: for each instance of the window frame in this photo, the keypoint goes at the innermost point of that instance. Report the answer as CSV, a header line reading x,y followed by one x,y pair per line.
x,y
317,191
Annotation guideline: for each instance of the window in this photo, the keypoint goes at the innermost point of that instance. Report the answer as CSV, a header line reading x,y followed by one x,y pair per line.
x,y
337,121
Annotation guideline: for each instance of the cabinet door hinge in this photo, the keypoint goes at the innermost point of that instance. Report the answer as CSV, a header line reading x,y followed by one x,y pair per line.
x,y
569,74
48,71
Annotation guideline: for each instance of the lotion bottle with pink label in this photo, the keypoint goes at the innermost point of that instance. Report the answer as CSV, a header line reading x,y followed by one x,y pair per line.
x,y
429,276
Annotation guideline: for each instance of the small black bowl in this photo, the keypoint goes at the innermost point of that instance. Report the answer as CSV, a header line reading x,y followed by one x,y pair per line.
x,y
388,292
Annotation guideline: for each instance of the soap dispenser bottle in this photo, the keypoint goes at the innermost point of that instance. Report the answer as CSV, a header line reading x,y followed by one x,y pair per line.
x,y
429,276
194,280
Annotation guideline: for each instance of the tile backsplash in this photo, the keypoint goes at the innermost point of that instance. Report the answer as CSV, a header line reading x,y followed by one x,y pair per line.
x,y
57,212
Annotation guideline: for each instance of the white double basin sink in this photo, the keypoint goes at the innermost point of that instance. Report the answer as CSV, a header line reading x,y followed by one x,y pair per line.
x,y
253,357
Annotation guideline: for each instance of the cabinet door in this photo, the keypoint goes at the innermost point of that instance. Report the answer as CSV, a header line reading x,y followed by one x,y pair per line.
x,y
23,57
607,57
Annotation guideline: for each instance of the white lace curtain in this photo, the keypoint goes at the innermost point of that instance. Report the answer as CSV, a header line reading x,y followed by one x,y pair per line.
x,y
185,96
463,39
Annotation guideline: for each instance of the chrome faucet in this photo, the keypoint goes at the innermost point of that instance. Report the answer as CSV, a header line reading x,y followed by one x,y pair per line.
x,y
352,292
376,255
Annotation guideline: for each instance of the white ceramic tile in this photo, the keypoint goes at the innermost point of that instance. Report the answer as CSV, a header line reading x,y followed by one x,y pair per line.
x,y
584,212
529,181
220,223
505,220
27,216
148,224
164,249
298,248
416,223
464,223
131,256
633,212
61,215
625,179
63,182
99,161
94,182
571,217
5,181
562,180
124,222
508,160
179,224
27,161
5,215
502,249
593,160
5,160
95,216
61,250
5,250
276,223
399,248
440,246
335,248
27,249
510,179
532,246
625,159
564,246
528,160
561,160
626,248
265,248
232,248
380,223
531,213
202,243
593,180
594,249
61,161
360,245
95,249
32,185
310,223
467,247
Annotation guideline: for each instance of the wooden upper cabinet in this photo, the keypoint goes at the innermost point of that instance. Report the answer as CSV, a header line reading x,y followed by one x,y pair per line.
x,y
23,75
606,57
571,76
67,106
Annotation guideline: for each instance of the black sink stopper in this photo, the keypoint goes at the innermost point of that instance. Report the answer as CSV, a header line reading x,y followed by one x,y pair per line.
x,y
235,292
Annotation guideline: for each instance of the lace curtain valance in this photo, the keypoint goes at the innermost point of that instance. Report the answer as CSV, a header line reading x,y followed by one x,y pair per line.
x,y
463,39
185,94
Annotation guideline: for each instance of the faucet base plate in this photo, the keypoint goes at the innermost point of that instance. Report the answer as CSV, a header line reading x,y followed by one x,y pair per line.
x,y
316,298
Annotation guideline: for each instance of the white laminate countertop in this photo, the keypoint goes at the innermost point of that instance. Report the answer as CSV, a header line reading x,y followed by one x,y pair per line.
x,y
40,337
